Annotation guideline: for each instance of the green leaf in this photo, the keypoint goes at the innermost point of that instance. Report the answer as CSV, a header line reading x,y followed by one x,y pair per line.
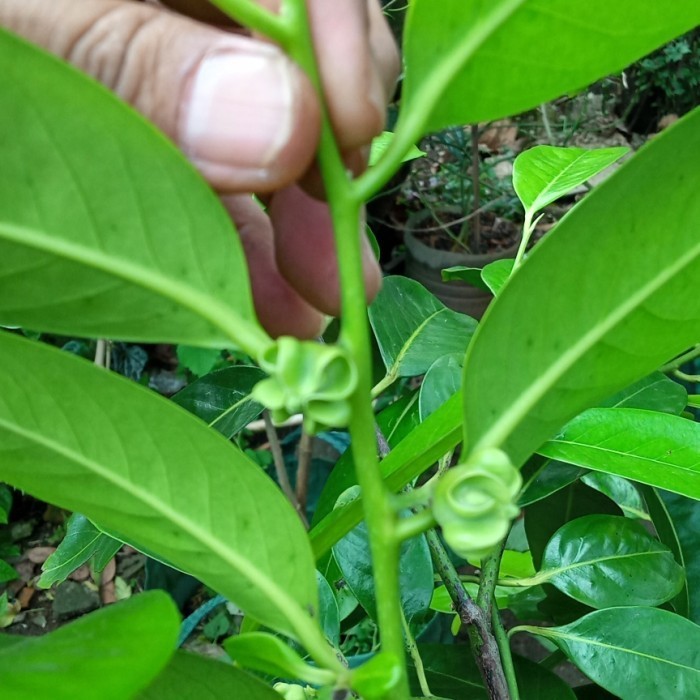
x,y
685,515
82,542
375,678
548,479
416,582
653,448
577,346
622,491
110,654
474,61
655,392
222,398
470,275
413,328
7,572
264,652
199,361
496,274
543,174
5,504
666,532
105,229
329,613
640,653
194,677
605,561
442,380
156,477
381,143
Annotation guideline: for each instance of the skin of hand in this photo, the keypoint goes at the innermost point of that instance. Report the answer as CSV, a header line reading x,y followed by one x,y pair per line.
x,y
245,116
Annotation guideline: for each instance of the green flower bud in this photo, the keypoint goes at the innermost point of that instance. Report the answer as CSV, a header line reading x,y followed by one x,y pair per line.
x,y
474,502
290,691
310,378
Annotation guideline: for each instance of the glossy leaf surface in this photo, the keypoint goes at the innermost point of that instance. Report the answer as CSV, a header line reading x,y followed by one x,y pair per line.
x,y
460,273
653,448
577,346
106,230
413,328
156,476
636,653
221,398
605,561
110,654
624,492
544,173
194,677
82,542
477,60
329,612
551,477
496,274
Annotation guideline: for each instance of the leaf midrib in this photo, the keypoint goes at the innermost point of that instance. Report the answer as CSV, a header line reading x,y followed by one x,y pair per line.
x,y
547,574
289,607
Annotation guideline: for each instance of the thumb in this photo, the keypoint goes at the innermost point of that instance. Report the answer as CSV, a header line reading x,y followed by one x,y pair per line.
x,y
237,107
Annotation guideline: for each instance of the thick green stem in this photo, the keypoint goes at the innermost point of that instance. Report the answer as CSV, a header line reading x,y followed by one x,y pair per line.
x,y
252,15
504,648
379,515
490,567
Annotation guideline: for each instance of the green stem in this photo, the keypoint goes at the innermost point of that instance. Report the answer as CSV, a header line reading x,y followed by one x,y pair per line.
x,y
414,525
690,378
345,212
681,360
413,652
504,649
255,17
489,575
528,229
506,582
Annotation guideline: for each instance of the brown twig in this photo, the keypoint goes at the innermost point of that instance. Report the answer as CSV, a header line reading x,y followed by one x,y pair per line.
x,y
280,468
476,189
303,469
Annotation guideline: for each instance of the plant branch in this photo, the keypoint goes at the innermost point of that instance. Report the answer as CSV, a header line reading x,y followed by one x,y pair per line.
x,y
483,644
489,575
504,649
280,468
413,652
690,378
303,469
679,361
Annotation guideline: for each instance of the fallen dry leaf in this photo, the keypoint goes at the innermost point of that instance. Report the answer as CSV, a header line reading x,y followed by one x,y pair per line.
x,y
24,597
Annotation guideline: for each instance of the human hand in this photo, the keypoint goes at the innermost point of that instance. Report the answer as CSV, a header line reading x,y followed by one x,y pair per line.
x,y
246,117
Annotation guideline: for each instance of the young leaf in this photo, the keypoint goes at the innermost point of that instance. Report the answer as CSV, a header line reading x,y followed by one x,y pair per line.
x,y
199,361
496,274
105,229
191,676
658,449
442,380
156,477
605,561
381,143
470,61
577,346
640,653
82,542
413,328
544,173
110,654
222,398
264,652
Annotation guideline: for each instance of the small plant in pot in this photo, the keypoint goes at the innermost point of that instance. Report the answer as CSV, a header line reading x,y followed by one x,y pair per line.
x,y
465,215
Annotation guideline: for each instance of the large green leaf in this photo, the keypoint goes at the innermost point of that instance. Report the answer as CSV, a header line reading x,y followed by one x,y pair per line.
x,y
105,229
413,328
222,398
625,301
604,561
544,173
110,654
623,491
82,542
658,449
194,677
155,476
442,380
655,392
636,653
470,61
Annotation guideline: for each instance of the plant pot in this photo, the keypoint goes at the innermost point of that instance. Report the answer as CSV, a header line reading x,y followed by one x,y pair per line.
x,y
425,264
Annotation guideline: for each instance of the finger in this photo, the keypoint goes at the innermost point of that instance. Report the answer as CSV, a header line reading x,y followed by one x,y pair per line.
x,y
305,250
278,306
242,112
